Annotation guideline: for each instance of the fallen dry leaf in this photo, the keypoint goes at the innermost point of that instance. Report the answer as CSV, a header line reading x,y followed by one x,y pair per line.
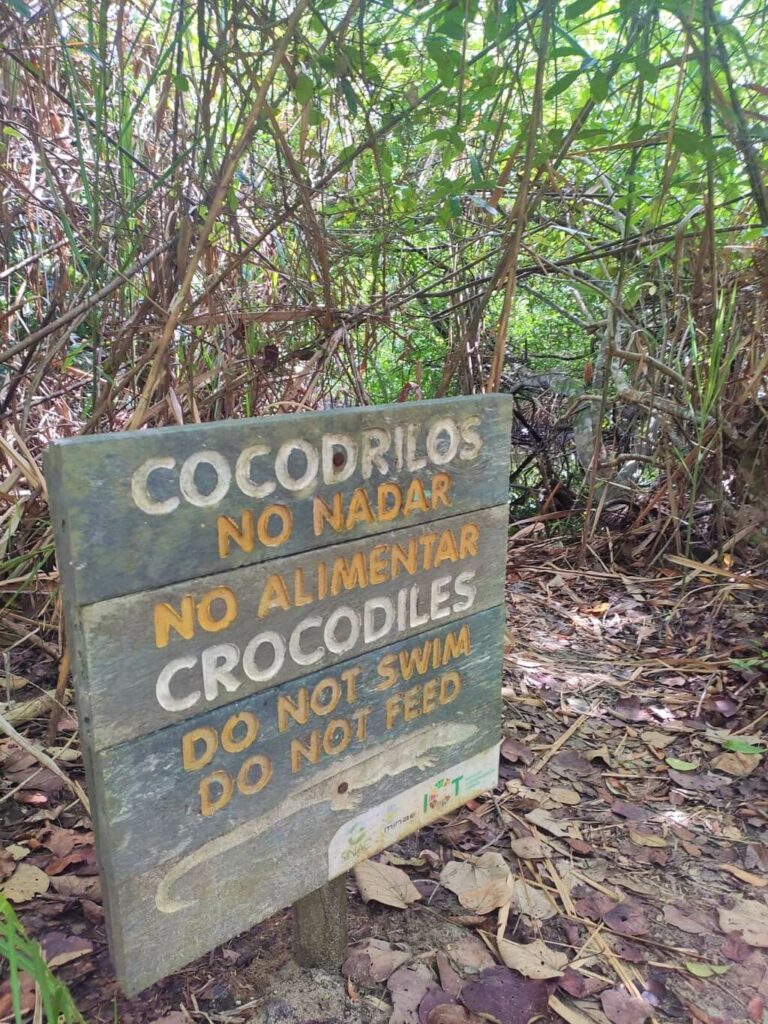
x,y
531,902
579,985
481,886
532,959
435,999
451,1013
582,848
22,770
647,839
656,739
26,881
692,923
735,948
632,812
748,917
529,848
408,986
594,905
385,884
543,820
626,950
513,750
569,1013
372,961
756,1009
58,865
60,948
622,1008
17,851
470,955
627,919
76,885
61,841
745,876
569,797
27,990
7,865
733,763
501,995
92,911
450,980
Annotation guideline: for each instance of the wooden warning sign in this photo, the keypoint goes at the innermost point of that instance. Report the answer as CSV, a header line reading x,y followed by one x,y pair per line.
x,y
287,638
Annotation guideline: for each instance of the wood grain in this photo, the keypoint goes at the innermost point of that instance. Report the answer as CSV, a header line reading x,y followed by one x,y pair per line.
x,y
117,692
151,772
258,613
208,902
109,547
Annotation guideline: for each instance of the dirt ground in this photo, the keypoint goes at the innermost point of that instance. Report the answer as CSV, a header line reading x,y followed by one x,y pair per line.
x,y
626,846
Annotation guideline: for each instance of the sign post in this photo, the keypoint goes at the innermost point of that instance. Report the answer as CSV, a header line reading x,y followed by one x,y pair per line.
x,y
287,640
320,926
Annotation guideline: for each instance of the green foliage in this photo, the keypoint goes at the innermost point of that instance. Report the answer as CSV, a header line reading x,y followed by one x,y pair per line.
x,y
23,957
377,171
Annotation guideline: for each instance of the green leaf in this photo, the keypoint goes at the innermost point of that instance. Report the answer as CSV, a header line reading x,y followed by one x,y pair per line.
x,y
562,84
686,141
181,82
647,71
446,59
21,8
452,24
705,970
741,746
681,766
304,88
476,168
579,7
349,96
7,130
448,210
598,86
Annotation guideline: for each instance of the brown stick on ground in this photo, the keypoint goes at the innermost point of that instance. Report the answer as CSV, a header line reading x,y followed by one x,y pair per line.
x,y
61,685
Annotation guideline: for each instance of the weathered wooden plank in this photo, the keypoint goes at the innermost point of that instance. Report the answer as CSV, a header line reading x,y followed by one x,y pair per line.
x,y
256,627
173,791
139,510
320,926
254,609
185,908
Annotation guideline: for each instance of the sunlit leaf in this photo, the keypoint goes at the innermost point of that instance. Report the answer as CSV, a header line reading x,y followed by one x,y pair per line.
x,y
686,141
21,8
647,71
740,746
563,83
304,88
598,86
699,970
579,7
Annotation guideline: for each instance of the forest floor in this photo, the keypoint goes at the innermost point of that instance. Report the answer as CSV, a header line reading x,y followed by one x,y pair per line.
x,y
619,873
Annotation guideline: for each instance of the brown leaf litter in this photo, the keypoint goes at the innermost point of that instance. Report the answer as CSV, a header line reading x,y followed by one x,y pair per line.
x,y
617,874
